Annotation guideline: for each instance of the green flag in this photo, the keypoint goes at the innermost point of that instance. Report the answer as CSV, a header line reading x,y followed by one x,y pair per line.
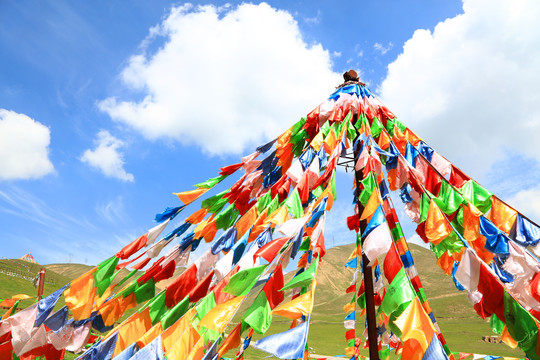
x,y
333,184
376,127
370,183
390,127
212,200
296,127
449,199
210,183
175,313
145,291
424,207
259,314
104,274
274,204
243,281
206,304
479,196
399,292
294,204
521,326
225,219
325,128
263,202
156,307
400,125
304,278
496,324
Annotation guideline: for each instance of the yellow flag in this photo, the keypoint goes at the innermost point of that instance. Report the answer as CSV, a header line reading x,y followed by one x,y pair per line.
x,y
181,348
175,331
415,324
317,141
278,217
219,317
372,205
294,309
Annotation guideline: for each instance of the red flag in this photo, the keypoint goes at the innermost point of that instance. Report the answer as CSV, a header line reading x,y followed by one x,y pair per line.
x,y
181,286
269,251
272,287
221,296
166,271
153,270
228,170
132,247
142,264
392,264
492,294
202,287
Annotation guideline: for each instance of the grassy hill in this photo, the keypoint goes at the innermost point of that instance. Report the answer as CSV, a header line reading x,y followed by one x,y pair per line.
x,y
461,326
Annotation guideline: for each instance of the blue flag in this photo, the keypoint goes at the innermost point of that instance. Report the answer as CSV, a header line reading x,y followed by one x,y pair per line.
x,y
376,220
46,305
435,350
286,345
152,351
102,350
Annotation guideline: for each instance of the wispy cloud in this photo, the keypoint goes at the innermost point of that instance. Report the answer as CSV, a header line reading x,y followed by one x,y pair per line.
x,y
383,49
315,19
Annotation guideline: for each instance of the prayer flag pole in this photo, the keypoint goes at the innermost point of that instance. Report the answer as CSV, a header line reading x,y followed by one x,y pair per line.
x,y
351,76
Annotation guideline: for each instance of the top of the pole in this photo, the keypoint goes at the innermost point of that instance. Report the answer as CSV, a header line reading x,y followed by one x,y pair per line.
x,y
350,77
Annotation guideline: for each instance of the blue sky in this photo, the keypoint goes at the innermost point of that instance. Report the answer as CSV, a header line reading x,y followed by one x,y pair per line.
x,y
107,107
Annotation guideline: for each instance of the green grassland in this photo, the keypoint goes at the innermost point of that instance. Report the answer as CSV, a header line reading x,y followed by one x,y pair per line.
x,y
461,326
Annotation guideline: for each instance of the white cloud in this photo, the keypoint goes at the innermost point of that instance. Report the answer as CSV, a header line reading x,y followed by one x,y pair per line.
x,y
527,202
224,78
383,49
106,156
24,147
470,87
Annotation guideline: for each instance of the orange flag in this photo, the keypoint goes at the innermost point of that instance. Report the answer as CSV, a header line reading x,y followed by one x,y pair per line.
x,y
399,139
79,296
502,215
437,227
330,142
219,317
232,341
197,216
198,350
150,335
384,140
245,222
132,330
471,216
412,137
415,324
187,197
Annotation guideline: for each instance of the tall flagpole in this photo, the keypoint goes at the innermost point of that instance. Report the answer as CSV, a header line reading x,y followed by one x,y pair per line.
x,y
366,269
